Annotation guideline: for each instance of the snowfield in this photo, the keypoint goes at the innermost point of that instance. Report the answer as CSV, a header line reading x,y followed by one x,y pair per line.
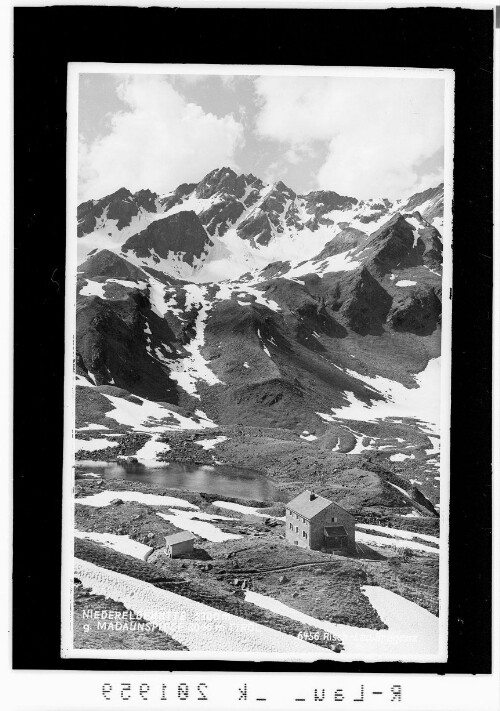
x,y
401,490
400,457
121,544
91,445
91,427
244,509
104,498
308,437
150,416
412,633
210,443
243,289
197,626
93,288
200,528
383,541
148,453
418,403
188,371
398,532
204,516
415,224
338,263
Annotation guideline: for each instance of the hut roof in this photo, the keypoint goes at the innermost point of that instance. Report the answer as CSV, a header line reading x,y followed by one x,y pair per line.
x,y
181,537
308,504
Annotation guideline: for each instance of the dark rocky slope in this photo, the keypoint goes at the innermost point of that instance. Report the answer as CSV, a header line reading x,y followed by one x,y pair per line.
x,y
180,233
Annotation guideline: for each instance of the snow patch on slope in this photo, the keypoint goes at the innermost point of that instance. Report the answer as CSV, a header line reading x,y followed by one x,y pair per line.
x,y
400,457
204,529
383,542
197,626
210,443
93,288
246,510
338,263
104,498
148,453
121,544
412,634
398,532
91,427
419,403
192,369
91,445
150,416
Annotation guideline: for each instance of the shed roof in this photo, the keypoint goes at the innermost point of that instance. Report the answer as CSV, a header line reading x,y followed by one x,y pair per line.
x,y
181,537
335,531
306,506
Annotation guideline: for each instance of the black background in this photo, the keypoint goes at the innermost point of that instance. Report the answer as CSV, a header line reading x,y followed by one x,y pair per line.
x,y
45,39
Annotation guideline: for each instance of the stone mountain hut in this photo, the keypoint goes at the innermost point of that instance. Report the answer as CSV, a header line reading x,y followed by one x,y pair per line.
x,y
319,524
179,544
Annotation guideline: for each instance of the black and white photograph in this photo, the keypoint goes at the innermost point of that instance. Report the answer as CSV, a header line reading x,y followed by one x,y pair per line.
x,y
250,379
258,273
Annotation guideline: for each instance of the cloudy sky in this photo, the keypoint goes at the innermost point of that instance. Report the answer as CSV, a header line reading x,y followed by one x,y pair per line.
x,y
362,137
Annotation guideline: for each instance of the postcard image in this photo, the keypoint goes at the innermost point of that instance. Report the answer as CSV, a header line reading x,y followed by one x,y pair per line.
x,y
258,359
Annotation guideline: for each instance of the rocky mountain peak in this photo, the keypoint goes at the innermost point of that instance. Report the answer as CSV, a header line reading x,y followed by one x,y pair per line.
x,y
120,206
419,198
346,239
322,201
271,215
221,180
180,234
109,265
175,197
281,188
120,194
429,203
146,199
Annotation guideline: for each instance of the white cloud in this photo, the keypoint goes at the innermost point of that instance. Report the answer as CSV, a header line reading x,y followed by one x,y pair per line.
x,y
293,156
158,141
429,180
374,132
273,172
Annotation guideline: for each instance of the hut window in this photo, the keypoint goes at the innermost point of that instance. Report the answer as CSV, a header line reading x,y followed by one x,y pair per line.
x,y
296,529
304,534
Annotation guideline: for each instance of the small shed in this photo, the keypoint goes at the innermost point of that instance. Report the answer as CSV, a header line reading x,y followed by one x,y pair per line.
x,y
179,544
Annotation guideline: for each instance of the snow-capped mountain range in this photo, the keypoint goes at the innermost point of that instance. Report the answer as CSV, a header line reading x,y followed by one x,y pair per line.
x,y
235,302
227,225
